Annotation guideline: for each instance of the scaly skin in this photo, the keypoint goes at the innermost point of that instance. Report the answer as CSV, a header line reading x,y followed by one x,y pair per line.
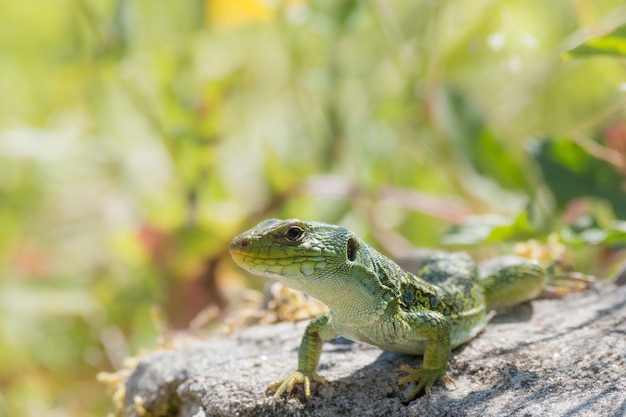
x,y
372,300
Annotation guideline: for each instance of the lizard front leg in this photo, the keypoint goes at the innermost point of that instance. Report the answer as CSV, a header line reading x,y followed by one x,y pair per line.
x,y
437,329
318,330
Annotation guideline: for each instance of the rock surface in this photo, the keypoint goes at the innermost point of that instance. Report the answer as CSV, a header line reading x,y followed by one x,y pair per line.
x,y
556,357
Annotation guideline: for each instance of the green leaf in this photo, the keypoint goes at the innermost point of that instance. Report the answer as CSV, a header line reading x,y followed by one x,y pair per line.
x,y
475,144
490,229
588,231
570,172
613,43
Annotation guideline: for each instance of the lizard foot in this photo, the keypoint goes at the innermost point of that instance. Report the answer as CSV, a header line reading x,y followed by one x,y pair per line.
x,y
425,379
562,280
298,377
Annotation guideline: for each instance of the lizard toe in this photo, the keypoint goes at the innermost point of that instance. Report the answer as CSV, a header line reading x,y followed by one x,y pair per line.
x,y
297,377
424,379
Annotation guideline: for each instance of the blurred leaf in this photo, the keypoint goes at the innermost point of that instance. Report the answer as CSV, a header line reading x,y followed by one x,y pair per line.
x,y
570,172
613,43
588,231
341,11
490,229
490,156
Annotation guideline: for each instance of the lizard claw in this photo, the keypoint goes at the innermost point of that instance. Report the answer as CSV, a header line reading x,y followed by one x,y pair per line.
x,y
425,379
298,377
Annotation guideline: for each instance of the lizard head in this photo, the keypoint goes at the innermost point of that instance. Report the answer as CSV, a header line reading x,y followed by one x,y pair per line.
x,y
308,256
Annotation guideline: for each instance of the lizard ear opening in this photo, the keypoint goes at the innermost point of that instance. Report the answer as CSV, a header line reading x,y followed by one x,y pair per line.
x,y
353,245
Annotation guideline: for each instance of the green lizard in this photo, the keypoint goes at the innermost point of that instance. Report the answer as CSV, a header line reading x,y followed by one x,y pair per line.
x,y
373,300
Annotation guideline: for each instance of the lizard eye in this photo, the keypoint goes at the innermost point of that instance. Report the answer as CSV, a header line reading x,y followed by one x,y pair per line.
x,y
294,233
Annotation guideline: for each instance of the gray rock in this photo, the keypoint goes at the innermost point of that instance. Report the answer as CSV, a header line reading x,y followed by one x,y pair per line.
x,y
558,357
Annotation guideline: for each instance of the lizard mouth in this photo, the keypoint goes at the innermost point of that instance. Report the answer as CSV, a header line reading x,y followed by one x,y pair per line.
x,y
267,262
244,256
239,251
248,257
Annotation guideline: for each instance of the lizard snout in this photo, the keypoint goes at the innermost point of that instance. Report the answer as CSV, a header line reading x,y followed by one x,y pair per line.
x,y
239,242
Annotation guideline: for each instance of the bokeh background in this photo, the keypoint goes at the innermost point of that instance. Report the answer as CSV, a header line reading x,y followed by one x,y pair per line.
x,y
138,137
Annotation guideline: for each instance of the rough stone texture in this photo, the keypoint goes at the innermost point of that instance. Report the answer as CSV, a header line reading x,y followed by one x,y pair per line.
x,y
558,357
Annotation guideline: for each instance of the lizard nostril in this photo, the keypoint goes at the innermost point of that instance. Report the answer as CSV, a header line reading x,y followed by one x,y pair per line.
x,y
244,242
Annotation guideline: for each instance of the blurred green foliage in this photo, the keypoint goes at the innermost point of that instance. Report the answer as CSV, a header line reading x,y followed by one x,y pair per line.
x,y
137,137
